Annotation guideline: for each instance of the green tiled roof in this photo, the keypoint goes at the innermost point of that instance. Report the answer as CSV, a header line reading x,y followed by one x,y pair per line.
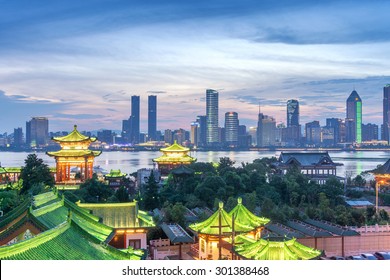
x,y
74,136
244,216
115,173
169,159
274,250
175,148
244,221
211,225
120,215
81,237
66,242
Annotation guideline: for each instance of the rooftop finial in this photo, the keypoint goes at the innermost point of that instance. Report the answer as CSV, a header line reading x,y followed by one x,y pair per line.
x,y
239,200
75,127
220,204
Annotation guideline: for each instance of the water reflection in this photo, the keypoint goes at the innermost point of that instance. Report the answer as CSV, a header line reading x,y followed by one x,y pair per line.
x,y
129,162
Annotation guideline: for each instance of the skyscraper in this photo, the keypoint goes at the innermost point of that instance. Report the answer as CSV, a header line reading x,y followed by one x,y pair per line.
x,y
135,120
386,113
212,116
37,132
266,129
202,130
313,133
292,133
354,118
152,117
231,128
18,137
292,113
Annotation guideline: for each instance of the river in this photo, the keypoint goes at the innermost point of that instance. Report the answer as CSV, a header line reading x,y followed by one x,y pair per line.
x,y
354,162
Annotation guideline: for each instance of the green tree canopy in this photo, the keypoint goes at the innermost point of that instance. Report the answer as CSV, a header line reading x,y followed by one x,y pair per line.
x,y
35,172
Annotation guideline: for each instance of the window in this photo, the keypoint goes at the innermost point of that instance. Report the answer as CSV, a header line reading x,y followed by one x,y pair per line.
x,y
135,243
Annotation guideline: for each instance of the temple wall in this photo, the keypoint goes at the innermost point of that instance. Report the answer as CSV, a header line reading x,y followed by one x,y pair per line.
x,y
353,245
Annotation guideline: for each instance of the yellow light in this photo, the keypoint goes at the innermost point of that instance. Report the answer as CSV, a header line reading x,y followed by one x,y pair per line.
x,y
120,231
140,230
130,231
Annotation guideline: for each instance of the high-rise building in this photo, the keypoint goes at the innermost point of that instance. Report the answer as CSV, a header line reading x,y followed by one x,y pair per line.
x,y
126,130
135,119
386,113
313,133
292,133
266,129
37,132
152,117
292,113
168,136
202,130
231,128
106,136
354,118
369,132
194,137
18,137
212,116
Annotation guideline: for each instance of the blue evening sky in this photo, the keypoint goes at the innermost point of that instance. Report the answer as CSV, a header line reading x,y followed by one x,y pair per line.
x,y
79,62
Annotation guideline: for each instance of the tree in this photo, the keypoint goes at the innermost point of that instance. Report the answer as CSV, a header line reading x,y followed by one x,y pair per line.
x,y
151,197
9,199
35,172
92,190
359,181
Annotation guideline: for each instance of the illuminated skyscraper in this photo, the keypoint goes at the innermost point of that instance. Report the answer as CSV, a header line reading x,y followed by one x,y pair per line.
x,y
354,118
152,117
212,116
386,113
231,128
37,132
135,119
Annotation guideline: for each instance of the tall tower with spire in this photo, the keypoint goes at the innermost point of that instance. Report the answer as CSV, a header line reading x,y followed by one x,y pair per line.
x,y
353,121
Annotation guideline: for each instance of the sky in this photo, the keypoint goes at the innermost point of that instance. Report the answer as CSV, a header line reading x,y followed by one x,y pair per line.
x,y
79,62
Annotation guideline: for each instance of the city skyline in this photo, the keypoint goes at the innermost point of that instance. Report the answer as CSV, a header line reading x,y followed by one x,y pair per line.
x,y
81,62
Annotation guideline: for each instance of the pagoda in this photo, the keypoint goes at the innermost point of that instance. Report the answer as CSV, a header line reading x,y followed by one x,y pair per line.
x,y
250,249
215,233
74,153
173,156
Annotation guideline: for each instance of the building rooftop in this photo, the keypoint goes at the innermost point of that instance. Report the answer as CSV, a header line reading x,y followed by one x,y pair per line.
x,y
74,136
274,250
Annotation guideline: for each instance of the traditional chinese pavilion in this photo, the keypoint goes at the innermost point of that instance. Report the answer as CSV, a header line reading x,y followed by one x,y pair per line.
x,y
216,232
57,229
74,153
130,224
173,156
262,249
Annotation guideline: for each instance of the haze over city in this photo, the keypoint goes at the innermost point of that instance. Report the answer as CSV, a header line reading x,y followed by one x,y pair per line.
x,y
80,62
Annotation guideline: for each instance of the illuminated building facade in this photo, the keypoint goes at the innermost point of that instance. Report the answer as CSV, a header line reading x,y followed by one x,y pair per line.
x,y
74,153
215,233
354,118
386,113
172,157
152,117
212,116
231,128
135,119
37,132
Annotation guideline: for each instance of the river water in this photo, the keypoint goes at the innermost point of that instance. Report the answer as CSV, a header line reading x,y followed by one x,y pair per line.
x,y
354,162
